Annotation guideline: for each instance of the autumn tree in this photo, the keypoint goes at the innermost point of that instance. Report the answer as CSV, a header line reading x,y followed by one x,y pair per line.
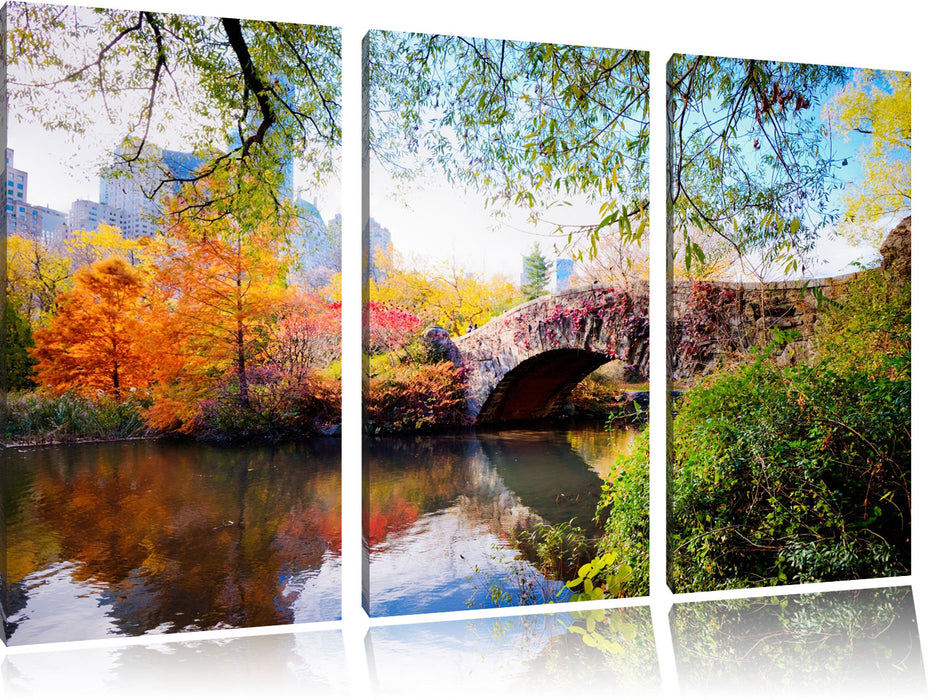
x,y
389,328
875,108
92,343
87,247
218,277
443,295
35,278
305,336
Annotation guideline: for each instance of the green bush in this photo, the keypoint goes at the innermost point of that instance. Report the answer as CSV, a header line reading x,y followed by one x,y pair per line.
x,y
558,551
625,504
18,343
41,418
869,331
790,475
800,474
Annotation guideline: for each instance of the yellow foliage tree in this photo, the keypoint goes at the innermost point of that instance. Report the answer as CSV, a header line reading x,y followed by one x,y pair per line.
x,y
876,104
35,278
448,297
86,247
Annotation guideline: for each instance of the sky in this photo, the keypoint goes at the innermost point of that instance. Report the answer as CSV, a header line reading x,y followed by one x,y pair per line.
x,y
432,221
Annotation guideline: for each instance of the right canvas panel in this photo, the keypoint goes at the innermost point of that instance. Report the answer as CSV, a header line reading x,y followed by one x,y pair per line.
x,y
789,323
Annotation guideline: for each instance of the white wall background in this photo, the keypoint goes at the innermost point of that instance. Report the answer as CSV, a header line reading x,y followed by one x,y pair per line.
x,y
896,35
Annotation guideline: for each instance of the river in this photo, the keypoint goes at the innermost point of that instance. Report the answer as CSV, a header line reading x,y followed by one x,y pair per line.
x,y
442,511
143,537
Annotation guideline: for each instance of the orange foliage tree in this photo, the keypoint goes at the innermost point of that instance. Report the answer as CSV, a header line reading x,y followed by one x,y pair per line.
x,y
93,341
218,278
305,336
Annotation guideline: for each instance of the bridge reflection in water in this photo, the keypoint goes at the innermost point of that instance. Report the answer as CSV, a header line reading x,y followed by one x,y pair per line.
x,y
442,509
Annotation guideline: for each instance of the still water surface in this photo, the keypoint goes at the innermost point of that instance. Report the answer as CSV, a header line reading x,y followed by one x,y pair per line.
x,y
442,510
151,536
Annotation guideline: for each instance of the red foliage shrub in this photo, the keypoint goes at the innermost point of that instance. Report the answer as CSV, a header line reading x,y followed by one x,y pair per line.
x,y
418,397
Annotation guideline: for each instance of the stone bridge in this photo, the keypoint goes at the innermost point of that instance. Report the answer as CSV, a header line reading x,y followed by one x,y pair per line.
x,y
708,320
524,364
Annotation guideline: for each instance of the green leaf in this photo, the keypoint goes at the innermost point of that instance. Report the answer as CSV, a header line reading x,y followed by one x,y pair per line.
x,y
609,219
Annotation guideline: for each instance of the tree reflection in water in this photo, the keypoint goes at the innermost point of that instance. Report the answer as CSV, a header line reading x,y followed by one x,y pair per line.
x,y
169,536
441,512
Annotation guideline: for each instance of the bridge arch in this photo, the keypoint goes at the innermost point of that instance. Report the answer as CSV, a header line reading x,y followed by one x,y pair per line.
x,y
540,386
525,363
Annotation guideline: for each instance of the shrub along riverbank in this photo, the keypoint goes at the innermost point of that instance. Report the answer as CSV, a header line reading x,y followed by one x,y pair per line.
x,y
800,474
778,475
271,412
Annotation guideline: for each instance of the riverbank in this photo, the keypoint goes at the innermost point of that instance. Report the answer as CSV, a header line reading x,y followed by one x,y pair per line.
x,y
34,419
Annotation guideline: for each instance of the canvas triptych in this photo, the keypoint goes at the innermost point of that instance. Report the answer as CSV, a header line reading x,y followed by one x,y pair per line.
x,y
172,356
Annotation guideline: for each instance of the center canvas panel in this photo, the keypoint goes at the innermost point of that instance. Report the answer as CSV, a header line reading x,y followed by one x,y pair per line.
x,y
506,337
171,323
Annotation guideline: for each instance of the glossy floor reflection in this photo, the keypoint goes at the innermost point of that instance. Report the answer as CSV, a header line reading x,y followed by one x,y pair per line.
x,y
844,643
526,655
307,664
852,644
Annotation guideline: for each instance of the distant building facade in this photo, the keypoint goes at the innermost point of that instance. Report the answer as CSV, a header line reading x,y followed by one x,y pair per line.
x,y
565,267
86,215
318,245
379,241
127,188
123,203
22,218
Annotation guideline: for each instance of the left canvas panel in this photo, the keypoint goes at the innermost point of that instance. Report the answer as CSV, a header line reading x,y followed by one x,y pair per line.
x,y
171,323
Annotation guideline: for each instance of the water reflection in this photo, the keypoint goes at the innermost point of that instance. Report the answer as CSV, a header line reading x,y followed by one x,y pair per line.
x,y
307,664
441,512
600,449
527,655
842,643
148,537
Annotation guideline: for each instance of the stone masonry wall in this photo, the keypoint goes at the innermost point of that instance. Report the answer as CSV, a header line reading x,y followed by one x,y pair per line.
x,y
748,311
